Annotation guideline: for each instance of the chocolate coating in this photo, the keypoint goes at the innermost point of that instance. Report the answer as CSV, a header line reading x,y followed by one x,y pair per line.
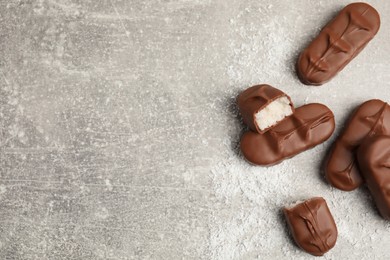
x,y
338,43
370,119
309,126
256,98
374,161
312,226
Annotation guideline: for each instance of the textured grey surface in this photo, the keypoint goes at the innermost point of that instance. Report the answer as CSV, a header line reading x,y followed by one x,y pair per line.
x,y
119,131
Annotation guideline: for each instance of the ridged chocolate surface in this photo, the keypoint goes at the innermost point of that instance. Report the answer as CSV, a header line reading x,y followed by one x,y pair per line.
x,y
312,226
309,126
374,160
370,119
338,43
255,98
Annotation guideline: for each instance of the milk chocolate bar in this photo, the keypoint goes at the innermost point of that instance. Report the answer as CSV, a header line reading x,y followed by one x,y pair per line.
x,y
312,226
263,106
309,126
338,43
370,119
374,161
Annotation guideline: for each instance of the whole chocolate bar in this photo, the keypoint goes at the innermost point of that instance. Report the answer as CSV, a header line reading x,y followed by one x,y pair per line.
x,y
370,119
263,106
309,126
338,43
312,226
374,161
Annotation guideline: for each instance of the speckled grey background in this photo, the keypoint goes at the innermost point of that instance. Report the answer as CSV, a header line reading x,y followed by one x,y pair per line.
x,y
118,129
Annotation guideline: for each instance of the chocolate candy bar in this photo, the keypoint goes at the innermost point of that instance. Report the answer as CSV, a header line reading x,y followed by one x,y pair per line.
x,y
312,226
338,43
309,126
341,169
263,106
374,161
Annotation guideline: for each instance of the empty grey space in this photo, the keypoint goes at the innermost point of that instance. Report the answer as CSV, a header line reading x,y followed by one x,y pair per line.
x,y
119,131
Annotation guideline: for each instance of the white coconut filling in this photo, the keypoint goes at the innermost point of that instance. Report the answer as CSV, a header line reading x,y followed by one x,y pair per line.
x,y
273,113
294,204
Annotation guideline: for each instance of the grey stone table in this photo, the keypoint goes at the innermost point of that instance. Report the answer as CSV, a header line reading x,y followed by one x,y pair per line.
x,y
119,130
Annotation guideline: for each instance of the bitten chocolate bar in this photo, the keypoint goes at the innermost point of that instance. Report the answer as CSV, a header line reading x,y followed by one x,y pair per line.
x,y
312,226
263,106
338,43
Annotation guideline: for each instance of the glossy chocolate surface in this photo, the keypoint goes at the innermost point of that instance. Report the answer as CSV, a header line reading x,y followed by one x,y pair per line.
x,y
312,226
374,161
370,119
338,43
309,126
255,98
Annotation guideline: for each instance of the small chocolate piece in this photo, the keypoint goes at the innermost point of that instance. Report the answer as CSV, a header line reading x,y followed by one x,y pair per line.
x,y
370,119
374,161
263,106
312,226
309,126
338,43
